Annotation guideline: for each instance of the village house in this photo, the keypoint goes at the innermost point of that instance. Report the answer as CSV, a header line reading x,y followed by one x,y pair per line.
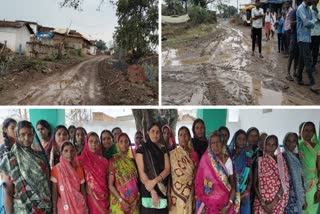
x,y
22,34
16,34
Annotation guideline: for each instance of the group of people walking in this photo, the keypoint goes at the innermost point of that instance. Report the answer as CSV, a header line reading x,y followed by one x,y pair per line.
x,y
298,30
72,171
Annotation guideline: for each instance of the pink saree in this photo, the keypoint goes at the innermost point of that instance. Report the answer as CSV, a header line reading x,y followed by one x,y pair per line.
x,y
71,200
96,170
212,187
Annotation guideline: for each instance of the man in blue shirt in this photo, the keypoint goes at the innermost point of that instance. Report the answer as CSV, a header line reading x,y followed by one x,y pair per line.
x,y
305,23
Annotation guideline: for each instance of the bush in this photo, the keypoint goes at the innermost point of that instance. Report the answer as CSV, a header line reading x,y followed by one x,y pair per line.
x,y
199,15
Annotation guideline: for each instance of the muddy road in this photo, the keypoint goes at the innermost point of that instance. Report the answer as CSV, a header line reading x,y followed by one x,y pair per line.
x,y
92,82
217,69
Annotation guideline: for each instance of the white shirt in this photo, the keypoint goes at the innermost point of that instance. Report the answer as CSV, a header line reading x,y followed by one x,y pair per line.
x,y
258,22
267,18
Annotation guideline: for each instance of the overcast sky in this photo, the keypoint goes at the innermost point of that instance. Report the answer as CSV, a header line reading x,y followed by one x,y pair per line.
x,y
91,23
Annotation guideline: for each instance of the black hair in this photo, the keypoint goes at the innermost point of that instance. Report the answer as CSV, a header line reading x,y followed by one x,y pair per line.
x,y
71,127
125,134
198,120
67,143
6,124
224,128
115,129
55,131
46,125
253,129
286,137
272,137
24,124
106,131
93,134
186,128
239,132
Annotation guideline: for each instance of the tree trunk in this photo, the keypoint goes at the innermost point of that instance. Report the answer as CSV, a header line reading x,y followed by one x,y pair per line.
x,y
145,117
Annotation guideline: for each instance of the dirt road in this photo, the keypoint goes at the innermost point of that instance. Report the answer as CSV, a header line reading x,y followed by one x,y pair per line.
x,y
217,69
82,84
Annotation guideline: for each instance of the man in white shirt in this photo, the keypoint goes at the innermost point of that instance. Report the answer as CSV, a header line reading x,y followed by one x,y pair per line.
x,y
257,18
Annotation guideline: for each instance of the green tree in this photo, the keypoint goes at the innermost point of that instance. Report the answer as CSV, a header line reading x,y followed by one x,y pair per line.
x,y
101,45
227,10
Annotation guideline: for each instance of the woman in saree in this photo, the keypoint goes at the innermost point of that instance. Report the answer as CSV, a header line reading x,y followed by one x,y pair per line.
x,y
72,132
27,188
109,149
80,134
124,198
44,130
68,184
242,166
225,134
199,140
215,186
138,140
153,167
60,135
309,149
169,138
184,161
297,183
271,181
9,136
253,139
96,175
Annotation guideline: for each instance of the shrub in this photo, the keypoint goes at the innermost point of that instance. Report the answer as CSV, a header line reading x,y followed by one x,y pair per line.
x,y
199,15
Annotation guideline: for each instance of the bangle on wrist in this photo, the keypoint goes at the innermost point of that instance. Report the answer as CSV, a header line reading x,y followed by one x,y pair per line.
x,y
120,200
231,201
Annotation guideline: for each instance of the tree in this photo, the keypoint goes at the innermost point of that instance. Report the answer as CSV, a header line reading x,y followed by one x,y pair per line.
x,y
101,45
144,118
78,117
226,10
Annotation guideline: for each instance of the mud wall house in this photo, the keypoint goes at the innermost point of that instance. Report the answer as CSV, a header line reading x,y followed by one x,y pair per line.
x,y
73,39
93,48
15,34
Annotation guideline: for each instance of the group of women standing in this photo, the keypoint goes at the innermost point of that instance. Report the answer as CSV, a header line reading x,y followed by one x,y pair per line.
x,y
72,171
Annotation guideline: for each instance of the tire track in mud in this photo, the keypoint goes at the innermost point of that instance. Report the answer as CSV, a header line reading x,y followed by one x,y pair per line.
x,y
78,85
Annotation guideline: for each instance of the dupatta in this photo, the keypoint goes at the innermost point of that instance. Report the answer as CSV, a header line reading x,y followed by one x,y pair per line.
x,y
212,185
71,199
96,169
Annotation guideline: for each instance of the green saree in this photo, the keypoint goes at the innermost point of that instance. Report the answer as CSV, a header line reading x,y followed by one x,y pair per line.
x,y
29,172
309,158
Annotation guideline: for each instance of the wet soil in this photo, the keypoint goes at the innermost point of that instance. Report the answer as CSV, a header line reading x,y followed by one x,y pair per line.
x,y
216,68
92,82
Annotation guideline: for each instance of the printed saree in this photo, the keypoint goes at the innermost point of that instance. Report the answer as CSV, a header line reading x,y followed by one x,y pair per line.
x,y
242,166
212,186
183,171
32,192
270,181
309,158
96,169
125,175
296,181
70,198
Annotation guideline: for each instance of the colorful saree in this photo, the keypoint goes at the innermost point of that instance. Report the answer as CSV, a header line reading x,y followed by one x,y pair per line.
x,y
309,158
212,186
125,174
96,170
31,184
70,199
183,169
242,163
271,176
296,181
